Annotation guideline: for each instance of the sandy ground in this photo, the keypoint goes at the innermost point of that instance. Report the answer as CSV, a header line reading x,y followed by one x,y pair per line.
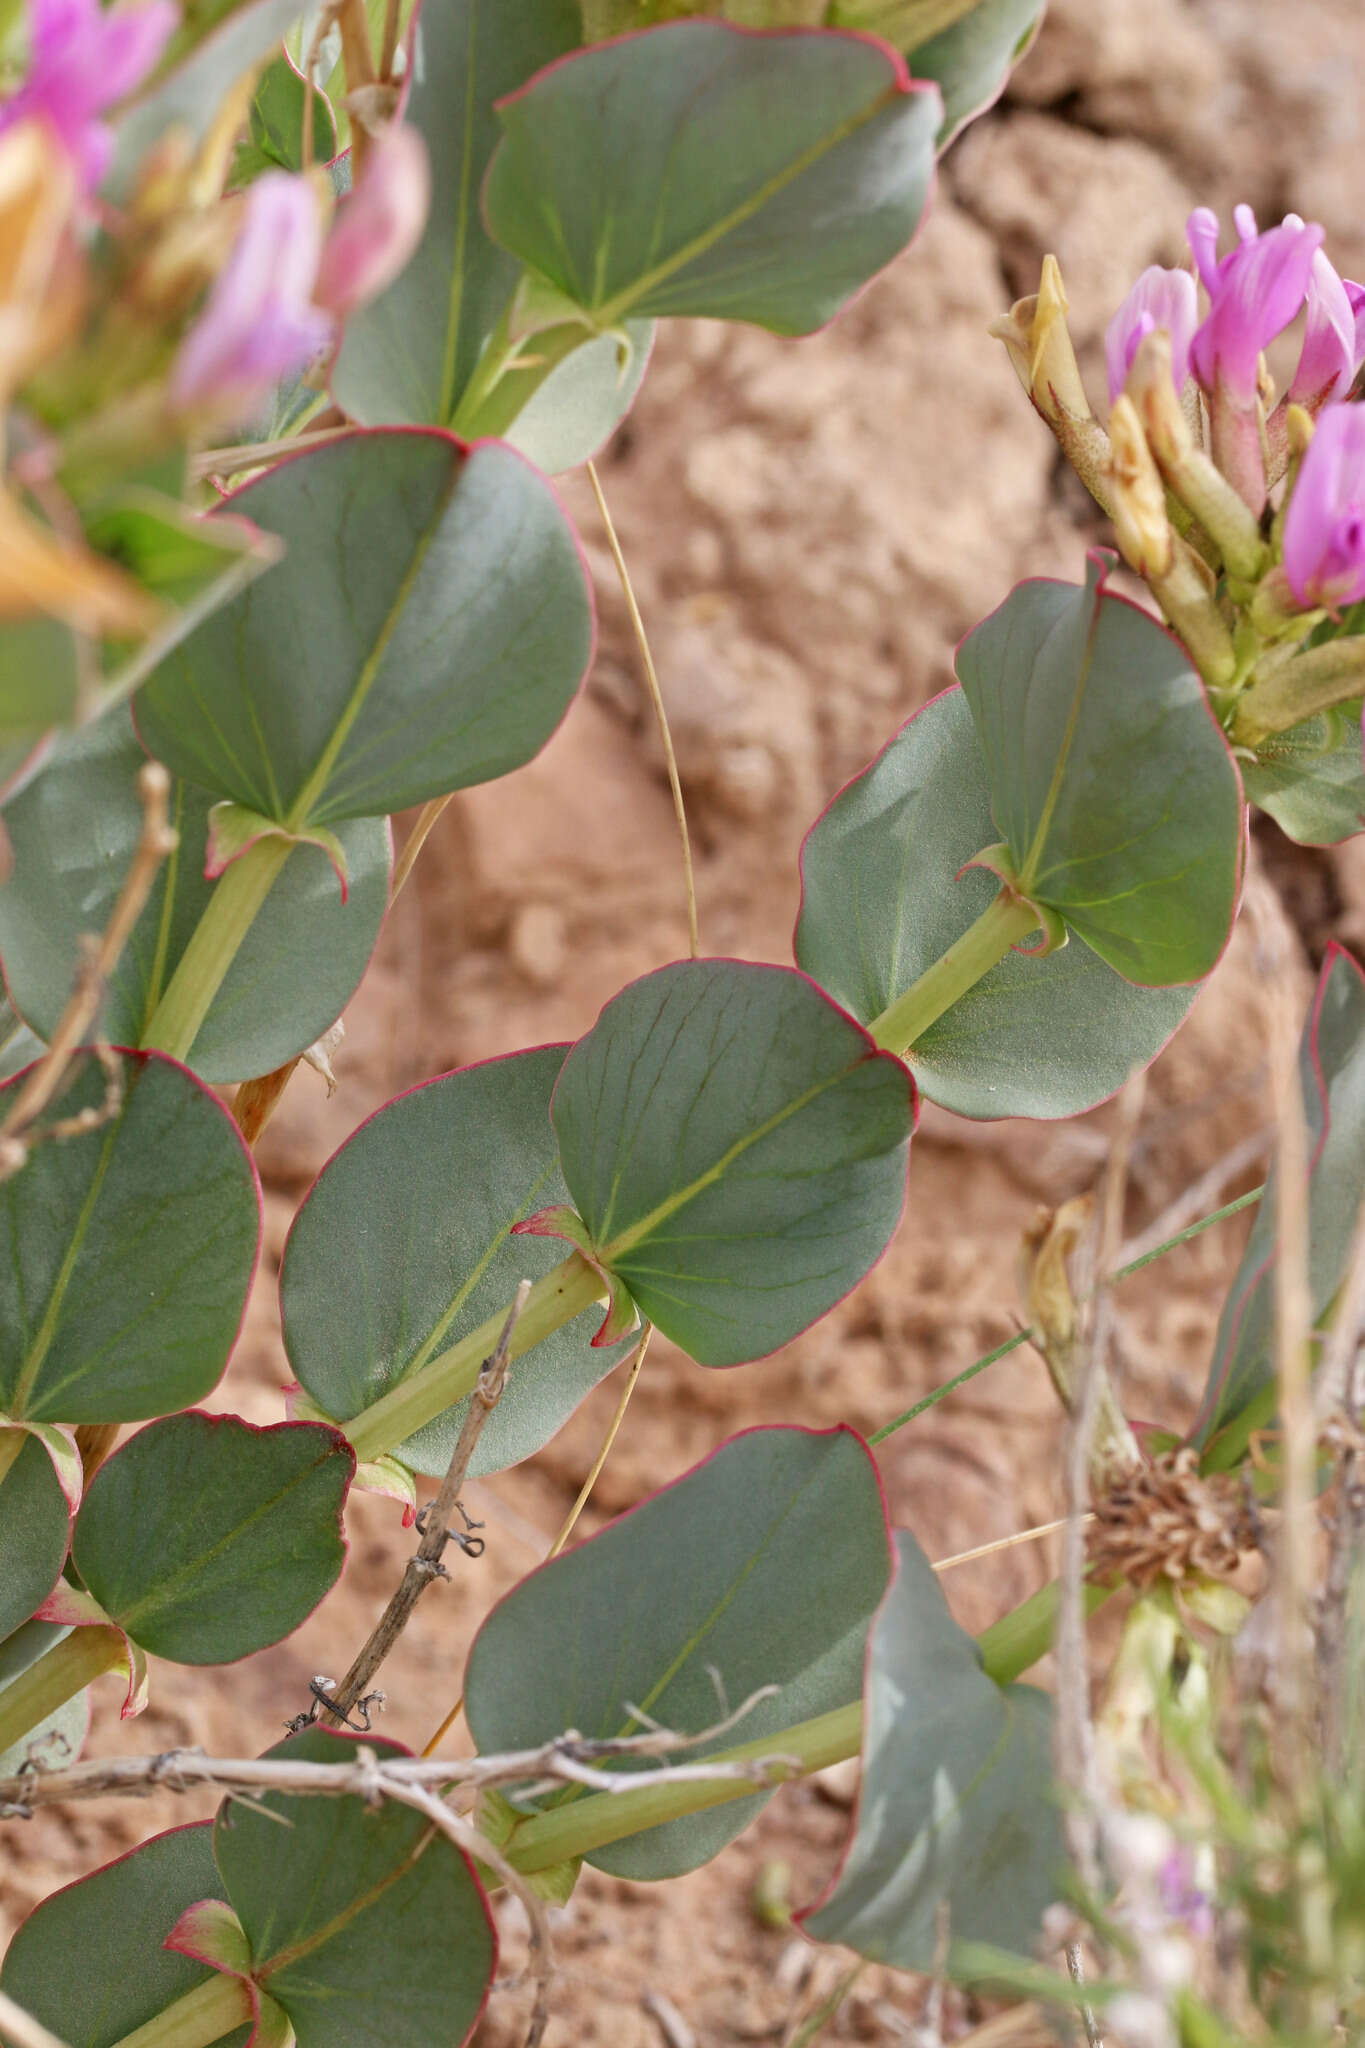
x,y
812,526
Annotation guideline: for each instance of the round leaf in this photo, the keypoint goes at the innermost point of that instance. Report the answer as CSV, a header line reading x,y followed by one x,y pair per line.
x,y
1109,777
695,168
204,1538
427,629
126,1251
1311,779
74,830
90,1963
583,400
410,353
364,1922
762,1566
971,61
884,896
34,1526
404,1245
737,1148
957,1807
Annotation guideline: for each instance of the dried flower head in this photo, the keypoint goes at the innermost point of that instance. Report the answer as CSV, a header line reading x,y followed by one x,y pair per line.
x,y
1167,1521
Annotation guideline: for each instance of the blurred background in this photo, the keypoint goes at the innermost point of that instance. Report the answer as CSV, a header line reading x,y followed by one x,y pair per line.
x,y
811,527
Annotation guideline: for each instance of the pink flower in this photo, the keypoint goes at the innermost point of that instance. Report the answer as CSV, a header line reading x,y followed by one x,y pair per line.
x,y
1334,337
1254,292
379,224
1160,298
82,60
1324,528
259,323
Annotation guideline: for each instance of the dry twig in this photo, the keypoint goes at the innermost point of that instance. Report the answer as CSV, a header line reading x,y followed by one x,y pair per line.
x,y
425,1565
157,839
22,2029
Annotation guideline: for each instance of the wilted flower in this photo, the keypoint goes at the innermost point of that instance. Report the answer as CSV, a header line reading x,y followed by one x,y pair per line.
x,y
1254,292
1324,528
379,224
260,322
1160,299
83,59
1334,336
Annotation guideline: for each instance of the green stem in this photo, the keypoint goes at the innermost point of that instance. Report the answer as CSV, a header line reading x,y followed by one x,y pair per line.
x,y
1316,681
1000,926
59,1674
508,377
555,1300
213,947
1008,1649
214,2008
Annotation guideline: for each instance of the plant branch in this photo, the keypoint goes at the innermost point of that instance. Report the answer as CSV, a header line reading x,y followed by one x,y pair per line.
x,y
1001,926
157,839
425,1565
213,946
656,698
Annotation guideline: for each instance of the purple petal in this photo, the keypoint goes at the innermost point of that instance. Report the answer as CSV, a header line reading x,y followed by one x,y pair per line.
x,y
1329,358
1259,289
1324,528
379,224
1160,298
1201,231
259,322
81,62
132,40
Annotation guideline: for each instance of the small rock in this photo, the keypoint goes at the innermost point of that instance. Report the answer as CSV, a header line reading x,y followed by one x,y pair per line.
x,y
538,943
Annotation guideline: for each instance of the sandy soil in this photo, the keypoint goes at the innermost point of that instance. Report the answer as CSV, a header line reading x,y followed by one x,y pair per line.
x,y
812,526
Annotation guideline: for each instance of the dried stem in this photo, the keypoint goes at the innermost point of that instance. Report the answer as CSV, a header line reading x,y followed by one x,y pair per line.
x,y
1076,1970
1338,1415
1197,1196
415,841
1075,1733
946,1564
656,698
585,1491
157,839
425,1565
20,2027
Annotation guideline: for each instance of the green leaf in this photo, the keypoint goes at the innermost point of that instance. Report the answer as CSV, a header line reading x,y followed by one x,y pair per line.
x,y
427,629
56,1741
404,1245
176,554
38,679
886,892
737,1149
75,829
35,1523
1109,777
115,1921
275,124
126,1251
972,59
761,1567
583,400
213,45
365,1922
1311,779
697,169
410,354
204,1538
957,1804
1332,1077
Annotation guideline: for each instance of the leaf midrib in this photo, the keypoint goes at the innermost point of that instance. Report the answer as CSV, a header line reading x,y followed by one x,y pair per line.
x,y
1028,874
610,311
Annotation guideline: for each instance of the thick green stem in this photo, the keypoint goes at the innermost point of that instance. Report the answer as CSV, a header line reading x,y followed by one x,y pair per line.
x,y
213,947
59,1674
1000,926
1325,676
1014,1644
554,1300
215,2008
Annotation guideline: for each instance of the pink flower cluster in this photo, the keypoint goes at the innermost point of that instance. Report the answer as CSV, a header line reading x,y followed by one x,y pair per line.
x,y
1254,292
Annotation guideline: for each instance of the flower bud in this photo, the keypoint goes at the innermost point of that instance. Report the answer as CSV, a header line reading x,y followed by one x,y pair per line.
x,y
42,276
1138,497
1040,347
1333,339
379,224
1324,527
